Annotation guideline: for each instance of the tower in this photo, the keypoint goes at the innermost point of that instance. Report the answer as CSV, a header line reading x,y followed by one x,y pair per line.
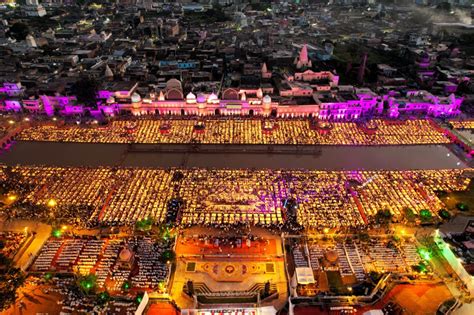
x,y
109,75
304,54
302,60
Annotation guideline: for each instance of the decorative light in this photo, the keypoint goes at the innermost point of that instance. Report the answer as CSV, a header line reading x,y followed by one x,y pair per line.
x,y
425,254
57,233
52,203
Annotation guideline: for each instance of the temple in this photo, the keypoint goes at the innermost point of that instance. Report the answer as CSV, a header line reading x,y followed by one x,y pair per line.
x,y
340,103
301,93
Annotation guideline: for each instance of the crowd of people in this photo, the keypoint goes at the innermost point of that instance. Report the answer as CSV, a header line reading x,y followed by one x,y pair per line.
x,y
241,131
354,257
141,267
117,196
11,243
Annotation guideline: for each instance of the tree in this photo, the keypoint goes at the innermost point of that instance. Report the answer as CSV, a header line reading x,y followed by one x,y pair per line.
x,y
85,89
425,215
420,268
103,297
18,31
383,216
364,236
462,206
167,256
11,279
444,214
409,214
144,224
87,284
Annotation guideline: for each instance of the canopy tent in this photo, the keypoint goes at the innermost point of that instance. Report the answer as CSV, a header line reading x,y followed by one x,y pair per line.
x,y
304,275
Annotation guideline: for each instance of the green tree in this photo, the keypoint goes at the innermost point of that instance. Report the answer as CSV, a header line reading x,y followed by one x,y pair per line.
x,y
444,214
425,215
87,284
168,256
103,297
462,206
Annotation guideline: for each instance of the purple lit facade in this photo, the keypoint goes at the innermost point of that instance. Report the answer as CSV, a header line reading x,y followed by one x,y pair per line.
x,y
347,103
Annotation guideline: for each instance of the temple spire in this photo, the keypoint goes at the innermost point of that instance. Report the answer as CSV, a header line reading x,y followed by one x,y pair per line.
x,y
304,54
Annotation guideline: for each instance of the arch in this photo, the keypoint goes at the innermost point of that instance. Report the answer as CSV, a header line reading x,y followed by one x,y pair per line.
x,y
183,112
174,94
217,112
230,94
251,112
273,113
173,84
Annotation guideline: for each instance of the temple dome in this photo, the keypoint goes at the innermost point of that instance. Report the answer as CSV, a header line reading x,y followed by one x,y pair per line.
x,y
125,255
201,98
212,97
267,99
136,97
190,96
108,72
331,256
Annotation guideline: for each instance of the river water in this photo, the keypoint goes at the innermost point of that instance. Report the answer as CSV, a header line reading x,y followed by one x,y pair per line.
x,y
233,156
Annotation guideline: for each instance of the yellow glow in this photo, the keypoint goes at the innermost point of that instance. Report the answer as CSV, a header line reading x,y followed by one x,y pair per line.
x,y
64,227
12,197
11,122
326,230
52,203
